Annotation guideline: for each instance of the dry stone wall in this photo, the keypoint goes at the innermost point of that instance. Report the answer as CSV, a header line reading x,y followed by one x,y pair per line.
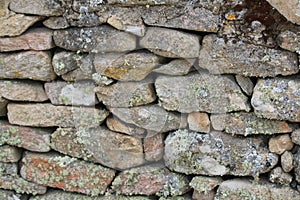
x,y
149,99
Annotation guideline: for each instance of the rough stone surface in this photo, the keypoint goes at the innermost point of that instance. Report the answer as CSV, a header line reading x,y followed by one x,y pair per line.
x,y
79,74
200,92
176,67
203,184
277,98
143,2
100,145
126,67
10,153
199,122
154,147
56,23
286,161
47,115
101,80
280,144
277,175
63,172
149,180
19,90
3,105
15,65
220,57
96,39
217,153
171,43
77,94
289,40
32,139
296,136
296,165
204,196
10,195
245,83
242,123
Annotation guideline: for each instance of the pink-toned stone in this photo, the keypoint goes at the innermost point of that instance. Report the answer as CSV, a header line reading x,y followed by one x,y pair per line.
x,y
10,153
280,144
154,147
199,122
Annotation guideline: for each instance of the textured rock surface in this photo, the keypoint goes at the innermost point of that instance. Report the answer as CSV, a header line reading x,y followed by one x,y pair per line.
x,y
203,184
289,40
296,164
296,136
277,175
245,83
56,23
280,144
154,147
286,161
10,195
217,153
176,67
3,105
199,122
10,153
79,74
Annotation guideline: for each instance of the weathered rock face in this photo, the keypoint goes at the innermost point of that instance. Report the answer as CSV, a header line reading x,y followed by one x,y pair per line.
x,y
203,184
296,164
154,147
176,67
10,154
6,194
296,136
280,144
289,40
199,122
217,153
287,161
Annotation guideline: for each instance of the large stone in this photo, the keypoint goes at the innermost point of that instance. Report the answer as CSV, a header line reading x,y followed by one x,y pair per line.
x,y
154,147
277,98
47,115
10,153
77,94
96,39
16,65
126,67
11,195
217,154
3,105
66,173
237,57
19,90
150,180
280,144
171,43
243,123
200,92
100,145
176,67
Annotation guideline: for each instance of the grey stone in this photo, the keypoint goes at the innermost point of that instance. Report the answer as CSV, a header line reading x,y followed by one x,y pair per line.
x,y
176,67
289,40
85,72
143,2
101,80
203,184
204,196
296,164
217,154
200,92
245,83
11,195
296,136
154,147
277,175
10,154
286,161
3,105
83,18
56,23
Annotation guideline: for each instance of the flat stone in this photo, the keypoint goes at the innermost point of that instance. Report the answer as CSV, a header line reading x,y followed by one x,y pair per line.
x,y
32,139
56,23
277,175
76,94
245,83
150,180
286,161
176,67
126,94
277,98
280,144
79,74
150,117
10,195
101,80
199,122
288,40
62,172
3,105
34,39
217,154
242,123
10,154
143,2
203,184
296,136
154,147
126,67
97,39
21,90
238,57
171,43
48,115
15,66
200,92
115,150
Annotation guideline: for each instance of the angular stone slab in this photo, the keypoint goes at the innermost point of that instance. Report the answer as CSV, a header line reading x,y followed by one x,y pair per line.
x,y
248,124
237,57
77,94
48,115
78,74
277,98
10,195
176,67
217,154
56,23
15,66
3,105
32,139
150,180
20,90
96,39
63,172
115,150
245,83
171,43
200,92
10,154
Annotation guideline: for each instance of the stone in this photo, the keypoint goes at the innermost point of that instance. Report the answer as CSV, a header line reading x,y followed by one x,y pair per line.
x,y
176,67
296,136
88,6
150,180
15,66
126,94
200,92
48,115
79,74
204,196
245,84
32,139
170,43
277,175
11,180
286,161
277,98
280,144
10,154
83,18
101,80
97,39
203,184
238,57
10,195
3,105
289,40
143,2
296,164
34,39
217,154
244,188
242,123
37,7
22,90
126,67
76,94
154,147
62,172
150,117
115,150
56,23
199,122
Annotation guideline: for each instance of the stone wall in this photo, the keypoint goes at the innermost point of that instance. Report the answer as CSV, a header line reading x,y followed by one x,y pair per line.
x,y
149,99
